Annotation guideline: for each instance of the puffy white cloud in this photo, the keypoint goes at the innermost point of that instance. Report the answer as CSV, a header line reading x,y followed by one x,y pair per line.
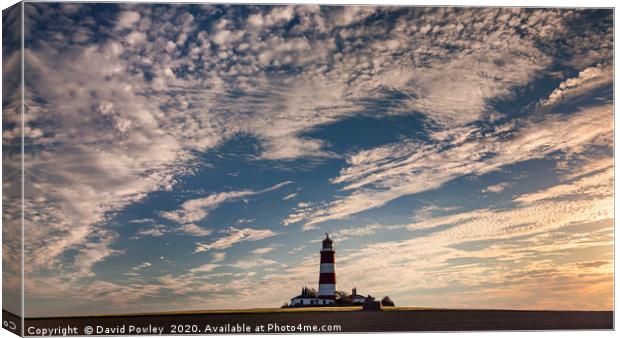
x,y
218,256
279,15
350,14
135,38
195,230
127,19
497,188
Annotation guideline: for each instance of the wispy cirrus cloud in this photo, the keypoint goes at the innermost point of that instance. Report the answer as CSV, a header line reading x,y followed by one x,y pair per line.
x,y
156,230
160,230
193,229
252,263
234,236
196,209
361,231
290,196
133,145
262,251
515,268
517,257
585,82
376,176
141,266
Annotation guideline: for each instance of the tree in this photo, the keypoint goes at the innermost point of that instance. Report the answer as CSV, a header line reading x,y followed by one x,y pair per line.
x,y
313,293
386,301
284,306
343,298
309,292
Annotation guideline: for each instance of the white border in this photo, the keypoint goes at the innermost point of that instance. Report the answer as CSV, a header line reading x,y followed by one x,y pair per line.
x,y
475,3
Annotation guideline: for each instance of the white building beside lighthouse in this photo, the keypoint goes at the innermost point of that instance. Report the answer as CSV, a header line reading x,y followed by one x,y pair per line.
x,y
308,297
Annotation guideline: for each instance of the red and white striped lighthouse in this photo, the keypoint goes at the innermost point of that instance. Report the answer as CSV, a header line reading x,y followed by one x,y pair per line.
x,y
327,276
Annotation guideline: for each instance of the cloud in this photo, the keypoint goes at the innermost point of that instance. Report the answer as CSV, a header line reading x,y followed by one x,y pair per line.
x,y
262,251
305,210
127,19
235,236
204,268
586,81
587,199
366,230
335,83
92,253
599,183
157,230
141,266
504,255
218,256
290,196
526,257
142,220
277,16
134,38
253,263
345,16
431,210
195,230
160,230
377,176
497,188
196,209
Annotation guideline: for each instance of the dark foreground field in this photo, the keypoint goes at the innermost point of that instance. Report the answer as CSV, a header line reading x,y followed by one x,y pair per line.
x,y
326,320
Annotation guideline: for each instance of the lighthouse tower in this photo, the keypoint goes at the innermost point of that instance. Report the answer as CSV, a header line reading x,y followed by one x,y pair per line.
x,y
327,277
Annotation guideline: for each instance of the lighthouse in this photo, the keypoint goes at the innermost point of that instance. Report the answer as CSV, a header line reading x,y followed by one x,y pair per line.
x,y
327,276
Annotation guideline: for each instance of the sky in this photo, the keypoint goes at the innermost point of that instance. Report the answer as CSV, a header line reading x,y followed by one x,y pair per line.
x,y
186,157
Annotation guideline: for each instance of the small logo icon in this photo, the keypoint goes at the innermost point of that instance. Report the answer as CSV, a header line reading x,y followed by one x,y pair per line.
x,y
88,330
10,324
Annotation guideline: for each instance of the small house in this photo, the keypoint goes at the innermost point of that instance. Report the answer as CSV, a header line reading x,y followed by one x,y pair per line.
x,y
355,298
308,297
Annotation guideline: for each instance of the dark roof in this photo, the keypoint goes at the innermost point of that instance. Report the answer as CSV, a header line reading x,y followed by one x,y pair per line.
x,y
301,296
327,240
